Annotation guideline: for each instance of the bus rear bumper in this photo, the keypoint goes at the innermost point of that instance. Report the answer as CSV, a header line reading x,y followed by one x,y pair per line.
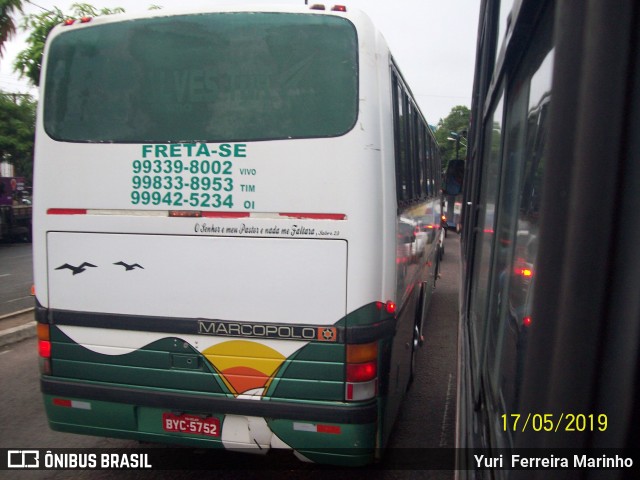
x,y
348,437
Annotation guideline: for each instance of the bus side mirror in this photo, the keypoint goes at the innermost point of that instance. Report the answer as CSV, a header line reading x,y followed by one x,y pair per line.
x,y
454,177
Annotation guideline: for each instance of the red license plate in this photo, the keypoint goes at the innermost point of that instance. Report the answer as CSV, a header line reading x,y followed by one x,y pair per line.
x,y
209,426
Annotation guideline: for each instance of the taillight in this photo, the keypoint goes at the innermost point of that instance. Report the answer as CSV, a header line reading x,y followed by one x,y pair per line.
x,y
44,348
361,371
389,307
522,269
526,321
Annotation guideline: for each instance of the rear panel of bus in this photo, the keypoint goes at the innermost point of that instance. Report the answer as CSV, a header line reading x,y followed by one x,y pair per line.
x,y
208,190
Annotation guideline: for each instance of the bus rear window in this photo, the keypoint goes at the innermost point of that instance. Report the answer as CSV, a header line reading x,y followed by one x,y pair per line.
x,y
206,77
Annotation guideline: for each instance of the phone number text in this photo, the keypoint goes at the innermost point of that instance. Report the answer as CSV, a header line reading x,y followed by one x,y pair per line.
x,y
178,199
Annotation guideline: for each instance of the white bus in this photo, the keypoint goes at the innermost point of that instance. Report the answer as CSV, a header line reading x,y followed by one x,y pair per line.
x,y
236,230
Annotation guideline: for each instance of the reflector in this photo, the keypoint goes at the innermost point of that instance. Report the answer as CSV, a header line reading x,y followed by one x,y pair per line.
x,y
225,214
185,213
67,211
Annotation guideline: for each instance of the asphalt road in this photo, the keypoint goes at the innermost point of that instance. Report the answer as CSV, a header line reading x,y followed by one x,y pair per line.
x,y
16,277
426,420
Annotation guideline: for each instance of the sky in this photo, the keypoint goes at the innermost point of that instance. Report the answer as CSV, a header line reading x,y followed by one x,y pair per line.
x,y
432,41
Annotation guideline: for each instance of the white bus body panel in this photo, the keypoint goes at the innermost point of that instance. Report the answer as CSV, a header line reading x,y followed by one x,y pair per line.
x,y
351,175
241,279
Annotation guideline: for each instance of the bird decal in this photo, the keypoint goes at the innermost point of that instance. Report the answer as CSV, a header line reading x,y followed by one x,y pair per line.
x,y
78,269
129,267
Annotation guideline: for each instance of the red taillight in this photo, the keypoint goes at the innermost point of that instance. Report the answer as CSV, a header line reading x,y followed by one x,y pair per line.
x,y
339,8
85,19
389,307
522,268
361,372
69,21
44,348
526,321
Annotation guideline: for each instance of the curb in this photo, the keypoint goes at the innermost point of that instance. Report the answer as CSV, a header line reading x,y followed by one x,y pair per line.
x,y
20,332
15,314
15,334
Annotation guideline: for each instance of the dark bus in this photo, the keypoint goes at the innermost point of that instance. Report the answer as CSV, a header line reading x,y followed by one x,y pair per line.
x,y
550,296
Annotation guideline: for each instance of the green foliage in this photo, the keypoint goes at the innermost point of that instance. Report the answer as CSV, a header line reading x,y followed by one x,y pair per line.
x,y
29,61
457,122
17,132
8,8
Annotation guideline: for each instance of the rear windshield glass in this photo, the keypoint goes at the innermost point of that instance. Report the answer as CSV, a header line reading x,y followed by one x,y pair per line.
x,y
205,77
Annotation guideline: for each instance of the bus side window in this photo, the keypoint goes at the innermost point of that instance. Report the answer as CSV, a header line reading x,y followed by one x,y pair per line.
x,y
485,236
509,317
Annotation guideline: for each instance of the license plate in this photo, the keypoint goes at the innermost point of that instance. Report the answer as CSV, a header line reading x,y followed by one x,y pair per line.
x,y
193,424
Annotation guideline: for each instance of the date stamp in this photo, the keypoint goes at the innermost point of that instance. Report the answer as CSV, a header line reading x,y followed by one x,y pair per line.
x,y
549,422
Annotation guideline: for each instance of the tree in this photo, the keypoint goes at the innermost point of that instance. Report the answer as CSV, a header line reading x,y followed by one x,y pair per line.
x,y
17,132
457,122
8,8
29,61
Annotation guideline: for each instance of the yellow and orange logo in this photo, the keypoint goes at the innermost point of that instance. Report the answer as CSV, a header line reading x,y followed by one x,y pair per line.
x,y
246,368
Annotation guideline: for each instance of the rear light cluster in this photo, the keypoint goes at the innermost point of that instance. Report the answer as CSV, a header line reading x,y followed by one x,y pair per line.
x,y
44,348
362,364
335,8
389,307
71,21
362,371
